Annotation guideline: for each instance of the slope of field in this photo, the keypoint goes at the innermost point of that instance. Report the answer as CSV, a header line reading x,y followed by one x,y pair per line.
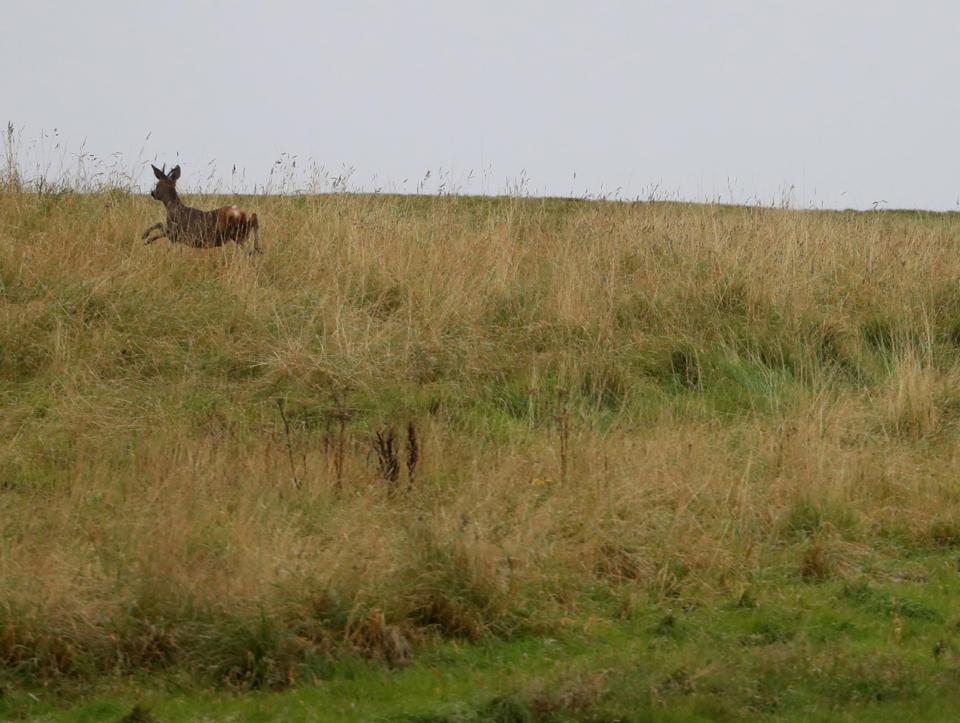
x,y
417,420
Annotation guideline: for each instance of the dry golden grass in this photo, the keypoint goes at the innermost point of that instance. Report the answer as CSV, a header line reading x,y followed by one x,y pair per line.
x,y
746,388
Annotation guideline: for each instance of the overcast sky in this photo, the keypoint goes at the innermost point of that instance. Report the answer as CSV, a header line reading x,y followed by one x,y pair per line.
x,y
849,102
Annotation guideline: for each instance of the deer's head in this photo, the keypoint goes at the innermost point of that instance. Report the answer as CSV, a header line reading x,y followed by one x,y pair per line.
x,y
166,190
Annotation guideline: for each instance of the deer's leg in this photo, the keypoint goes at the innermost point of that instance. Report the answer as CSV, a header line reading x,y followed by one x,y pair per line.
x,y
155,227
255,226
247,224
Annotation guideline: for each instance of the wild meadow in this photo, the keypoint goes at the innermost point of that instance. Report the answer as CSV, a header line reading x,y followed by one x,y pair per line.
x,y
455,458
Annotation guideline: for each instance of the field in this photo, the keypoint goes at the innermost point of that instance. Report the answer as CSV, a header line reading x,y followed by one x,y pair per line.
x,y
460,459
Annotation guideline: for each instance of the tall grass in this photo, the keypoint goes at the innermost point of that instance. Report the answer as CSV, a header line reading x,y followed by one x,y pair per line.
x,y
650,399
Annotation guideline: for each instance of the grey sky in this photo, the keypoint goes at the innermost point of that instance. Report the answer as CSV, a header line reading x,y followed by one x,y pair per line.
x,y
849,102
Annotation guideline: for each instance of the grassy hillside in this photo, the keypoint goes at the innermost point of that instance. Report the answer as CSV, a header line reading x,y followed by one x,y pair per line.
x,y
617,410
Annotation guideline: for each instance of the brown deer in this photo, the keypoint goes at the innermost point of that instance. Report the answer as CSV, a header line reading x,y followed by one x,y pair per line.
x,y
193,227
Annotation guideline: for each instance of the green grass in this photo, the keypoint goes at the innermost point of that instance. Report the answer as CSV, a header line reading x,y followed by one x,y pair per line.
x,y
878,647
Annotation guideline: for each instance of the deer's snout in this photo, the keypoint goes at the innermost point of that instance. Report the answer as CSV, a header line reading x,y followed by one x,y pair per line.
x,y
153,194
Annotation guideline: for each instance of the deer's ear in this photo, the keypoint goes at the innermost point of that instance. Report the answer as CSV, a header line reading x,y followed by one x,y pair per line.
x,y
157,172
174,173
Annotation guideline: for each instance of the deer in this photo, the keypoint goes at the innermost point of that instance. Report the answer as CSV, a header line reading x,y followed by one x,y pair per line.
x,y
196,228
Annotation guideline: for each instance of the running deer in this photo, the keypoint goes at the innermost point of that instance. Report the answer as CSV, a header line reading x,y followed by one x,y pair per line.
x,y
193,227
